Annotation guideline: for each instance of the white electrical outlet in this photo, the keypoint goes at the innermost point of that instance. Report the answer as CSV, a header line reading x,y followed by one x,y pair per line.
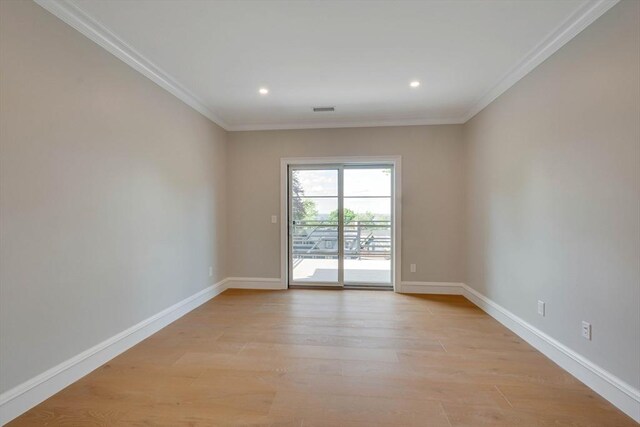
x,y
541,308
210,271
586,330
413,268
274,219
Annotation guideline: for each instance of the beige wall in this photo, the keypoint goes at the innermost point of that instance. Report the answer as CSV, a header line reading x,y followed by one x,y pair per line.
x,y
111,195
432,193
554,187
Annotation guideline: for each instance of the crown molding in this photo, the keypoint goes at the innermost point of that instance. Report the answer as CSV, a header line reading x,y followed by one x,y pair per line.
x,y
98,33
94,30
571,27
353,124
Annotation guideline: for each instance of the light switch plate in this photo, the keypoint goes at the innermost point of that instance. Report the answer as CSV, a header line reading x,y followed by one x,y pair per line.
x,y
541,308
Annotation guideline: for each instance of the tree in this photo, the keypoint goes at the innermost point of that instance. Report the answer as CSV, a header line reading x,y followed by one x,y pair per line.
x,y
310,212
303,210
297,202
367,216
349,216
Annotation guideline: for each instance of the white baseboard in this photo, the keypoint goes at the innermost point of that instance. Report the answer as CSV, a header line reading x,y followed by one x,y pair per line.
x,y
440,288
618,392
255,283
23,397
28,394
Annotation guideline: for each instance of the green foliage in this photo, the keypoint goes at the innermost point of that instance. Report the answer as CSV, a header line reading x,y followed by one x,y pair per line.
x,y
367,216
310,212
297,202
350,215
303,210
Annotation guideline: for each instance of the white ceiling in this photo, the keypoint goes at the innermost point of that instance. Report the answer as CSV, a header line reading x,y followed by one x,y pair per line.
x,y
358,56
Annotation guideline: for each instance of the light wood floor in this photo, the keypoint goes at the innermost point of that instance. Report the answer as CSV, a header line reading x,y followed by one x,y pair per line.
x,y
329,358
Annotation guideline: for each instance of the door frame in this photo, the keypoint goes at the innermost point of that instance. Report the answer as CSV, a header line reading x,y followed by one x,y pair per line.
x,y
396,188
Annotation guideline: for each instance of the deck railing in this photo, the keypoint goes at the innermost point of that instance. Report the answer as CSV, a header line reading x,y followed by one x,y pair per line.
x,y
362,239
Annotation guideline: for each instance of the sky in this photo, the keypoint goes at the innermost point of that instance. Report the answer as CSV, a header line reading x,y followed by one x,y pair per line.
x,y
357,182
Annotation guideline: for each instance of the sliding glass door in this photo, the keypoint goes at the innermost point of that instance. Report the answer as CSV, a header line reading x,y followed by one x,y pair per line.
x,y
340,230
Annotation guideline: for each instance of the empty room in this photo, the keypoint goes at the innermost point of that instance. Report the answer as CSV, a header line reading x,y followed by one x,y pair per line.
x,y
340,213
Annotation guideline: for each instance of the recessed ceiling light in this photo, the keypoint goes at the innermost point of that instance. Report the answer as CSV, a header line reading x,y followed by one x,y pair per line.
x,y
414,83
263,91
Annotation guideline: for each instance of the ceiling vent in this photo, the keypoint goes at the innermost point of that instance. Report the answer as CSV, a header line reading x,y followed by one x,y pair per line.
x,y
323,109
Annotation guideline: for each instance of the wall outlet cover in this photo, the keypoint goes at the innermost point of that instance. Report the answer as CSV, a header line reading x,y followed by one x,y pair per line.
x,y
586,330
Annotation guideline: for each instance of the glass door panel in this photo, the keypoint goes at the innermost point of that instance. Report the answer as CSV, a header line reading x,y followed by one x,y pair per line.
x,y
367,225
314,229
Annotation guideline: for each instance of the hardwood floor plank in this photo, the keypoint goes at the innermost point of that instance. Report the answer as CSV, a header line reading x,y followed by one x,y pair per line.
x,y
333,340
329,358
320,352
